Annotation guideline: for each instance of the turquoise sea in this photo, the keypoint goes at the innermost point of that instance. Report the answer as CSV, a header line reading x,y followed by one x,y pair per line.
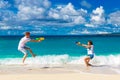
x,y
62,49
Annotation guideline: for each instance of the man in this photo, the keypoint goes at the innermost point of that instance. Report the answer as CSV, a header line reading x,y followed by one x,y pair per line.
x,y
23,48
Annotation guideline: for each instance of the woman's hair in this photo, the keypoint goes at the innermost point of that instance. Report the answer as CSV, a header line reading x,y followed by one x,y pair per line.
x,y
90,42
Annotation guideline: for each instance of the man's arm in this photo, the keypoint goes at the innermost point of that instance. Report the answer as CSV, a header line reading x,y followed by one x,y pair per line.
x,y
32,40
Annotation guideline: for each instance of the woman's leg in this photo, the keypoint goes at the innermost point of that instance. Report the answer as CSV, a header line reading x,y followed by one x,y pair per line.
x,y
87,60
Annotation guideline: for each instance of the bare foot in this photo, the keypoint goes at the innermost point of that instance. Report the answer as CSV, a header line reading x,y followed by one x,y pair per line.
x,y
89,64
34,55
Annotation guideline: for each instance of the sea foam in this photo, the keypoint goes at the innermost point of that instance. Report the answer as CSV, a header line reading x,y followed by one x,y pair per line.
x,y
112,60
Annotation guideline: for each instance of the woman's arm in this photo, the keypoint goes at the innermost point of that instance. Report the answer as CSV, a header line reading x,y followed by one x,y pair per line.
x,y
79,44
84,45
88,46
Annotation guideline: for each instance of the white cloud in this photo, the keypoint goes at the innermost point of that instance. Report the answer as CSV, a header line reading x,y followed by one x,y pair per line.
x,y
73,32
76,32
46,3
69,10
41,9
7,15
85,4
27,13
68,13
97,16
82,12
89,25
6,27
53,13
85,32
35,9
79,20
114,18
102,32
37,3
37,32
4,4
63,12
40,13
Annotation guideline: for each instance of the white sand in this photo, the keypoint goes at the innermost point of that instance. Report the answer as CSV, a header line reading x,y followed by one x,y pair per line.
x,y
66,72
64,76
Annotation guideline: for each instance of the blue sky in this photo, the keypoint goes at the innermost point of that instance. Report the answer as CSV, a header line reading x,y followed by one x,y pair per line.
x,y
59,17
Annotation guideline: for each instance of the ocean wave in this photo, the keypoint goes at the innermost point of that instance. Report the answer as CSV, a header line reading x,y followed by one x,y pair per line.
x,y
113,60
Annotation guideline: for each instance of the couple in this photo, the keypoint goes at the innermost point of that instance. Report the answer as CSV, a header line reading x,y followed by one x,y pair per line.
x,y
23,48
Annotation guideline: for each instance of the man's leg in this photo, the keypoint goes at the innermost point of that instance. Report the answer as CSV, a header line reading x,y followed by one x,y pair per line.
x,y
31,52
24,58
25,54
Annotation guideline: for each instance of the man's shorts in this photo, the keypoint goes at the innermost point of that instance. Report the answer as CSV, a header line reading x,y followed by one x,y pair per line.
x,y
24,49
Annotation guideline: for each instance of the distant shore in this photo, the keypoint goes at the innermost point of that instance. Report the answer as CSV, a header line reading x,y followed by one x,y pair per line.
x,y
102,34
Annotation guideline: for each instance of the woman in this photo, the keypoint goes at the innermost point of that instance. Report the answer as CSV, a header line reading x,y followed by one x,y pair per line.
x,y
90,51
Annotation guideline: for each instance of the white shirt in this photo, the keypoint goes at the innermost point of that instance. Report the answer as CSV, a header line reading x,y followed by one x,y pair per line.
x,y
90,50
23,41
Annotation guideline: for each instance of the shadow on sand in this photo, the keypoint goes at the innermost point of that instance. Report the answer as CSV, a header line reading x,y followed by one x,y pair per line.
x,y
50,67
99,65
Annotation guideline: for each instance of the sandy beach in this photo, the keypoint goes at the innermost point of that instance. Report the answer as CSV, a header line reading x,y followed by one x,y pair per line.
x,y
67,76
52,72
